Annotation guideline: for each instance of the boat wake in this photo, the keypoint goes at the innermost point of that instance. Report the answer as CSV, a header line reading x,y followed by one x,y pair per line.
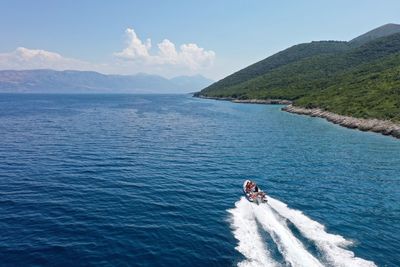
x,y
250,221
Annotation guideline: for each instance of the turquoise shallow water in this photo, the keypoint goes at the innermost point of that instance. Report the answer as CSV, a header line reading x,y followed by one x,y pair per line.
x,y
155,180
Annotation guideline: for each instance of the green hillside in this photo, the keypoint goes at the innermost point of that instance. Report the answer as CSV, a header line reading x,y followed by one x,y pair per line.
x,y
371,90
361,81
290,55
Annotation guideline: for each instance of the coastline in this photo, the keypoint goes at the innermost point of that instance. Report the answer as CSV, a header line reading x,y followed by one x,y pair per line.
x,y
250,101
367,125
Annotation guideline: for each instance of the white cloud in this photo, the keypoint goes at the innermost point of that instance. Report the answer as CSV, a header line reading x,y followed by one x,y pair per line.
x,y
196,57
167,51
189,55
137,56
24,58
136,49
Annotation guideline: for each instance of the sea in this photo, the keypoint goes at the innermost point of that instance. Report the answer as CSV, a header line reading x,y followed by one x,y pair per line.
x,y
156,180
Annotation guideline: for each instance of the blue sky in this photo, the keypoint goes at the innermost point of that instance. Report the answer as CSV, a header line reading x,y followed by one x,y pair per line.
x,y
226,35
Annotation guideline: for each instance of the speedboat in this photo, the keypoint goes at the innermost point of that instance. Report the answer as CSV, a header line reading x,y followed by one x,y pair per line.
x,y
253,193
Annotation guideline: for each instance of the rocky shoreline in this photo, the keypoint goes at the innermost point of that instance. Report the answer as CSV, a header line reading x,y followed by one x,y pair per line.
x,y
264,101
374,125
250,101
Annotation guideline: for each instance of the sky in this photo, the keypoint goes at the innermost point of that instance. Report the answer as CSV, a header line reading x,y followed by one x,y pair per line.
x,y
172,38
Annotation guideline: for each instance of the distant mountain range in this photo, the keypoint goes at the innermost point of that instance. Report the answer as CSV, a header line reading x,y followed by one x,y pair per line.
x,y
71,81
359,78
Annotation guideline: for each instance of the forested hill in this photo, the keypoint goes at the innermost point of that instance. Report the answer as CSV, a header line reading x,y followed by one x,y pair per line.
x,y
358,78
290,55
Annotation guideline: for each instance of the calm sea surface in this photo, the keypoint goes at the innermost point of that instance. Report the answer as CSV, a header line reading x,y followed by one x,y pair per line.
x,y
155,180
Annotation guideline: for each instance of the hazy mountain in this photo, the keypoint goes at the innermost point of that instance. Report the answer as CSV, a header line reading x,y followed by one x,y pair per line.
x,y
358,78
71,81
196,81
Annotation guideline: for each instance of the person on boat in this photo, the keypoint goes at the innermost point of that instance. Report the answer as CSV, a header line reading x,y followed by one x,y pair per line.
x,y
255,188
252,187
248,187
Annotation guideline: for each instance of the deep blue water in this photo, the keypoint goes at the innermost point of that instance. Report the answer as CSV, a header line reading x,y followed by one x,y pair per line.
x,y
148,180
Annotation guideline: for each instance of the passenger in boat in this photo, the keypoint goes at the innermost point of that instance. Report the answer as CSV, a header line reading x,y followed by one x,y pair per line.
x,y
252,187
248,186
255,188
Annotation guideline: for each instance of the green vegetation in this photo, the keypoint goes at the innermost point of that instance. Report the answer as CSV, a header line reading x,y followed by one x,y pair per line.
x,y
342,77
370,91
290,55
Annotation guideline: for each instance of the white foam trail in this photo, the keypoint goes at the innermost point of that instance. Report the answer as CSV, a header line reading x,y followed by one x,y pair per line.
x,y
332,246
246,232
291,248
